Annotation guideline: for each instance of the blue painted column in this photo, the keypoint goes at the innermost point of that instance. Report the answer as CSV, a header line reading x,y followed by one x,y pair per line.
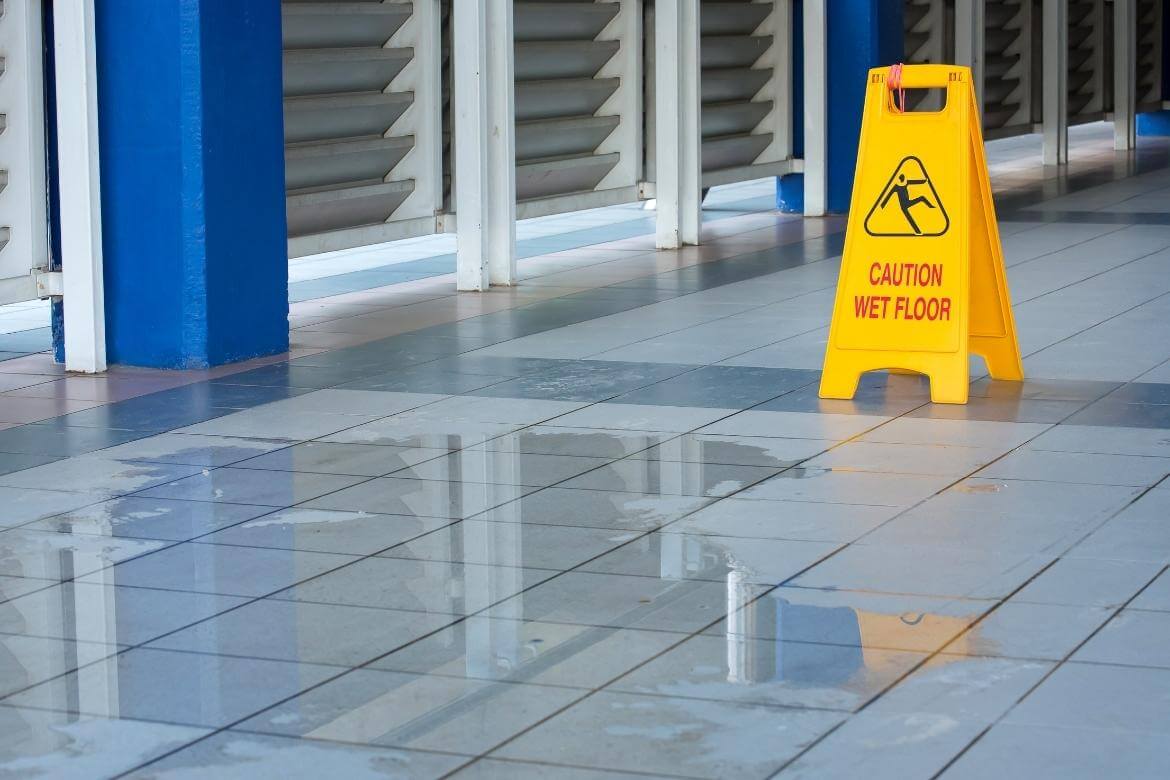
x,y
196,265
863,34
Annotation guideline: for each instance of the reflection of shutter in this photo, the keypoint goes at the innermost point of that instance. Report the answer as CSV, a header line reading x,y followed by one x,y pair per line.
x,y
924,24
1007,68
351,115
23,220
1086,61
576,74
1149,55
744,54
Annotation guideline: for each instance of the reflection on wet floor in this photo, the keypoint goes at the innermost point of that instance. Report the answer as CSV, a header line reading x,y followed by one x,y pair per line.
x,y
500,564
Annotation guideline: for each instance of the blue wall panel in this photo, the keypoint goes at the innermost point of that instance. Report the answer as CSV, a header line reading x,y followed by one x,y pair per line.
x,y
192,181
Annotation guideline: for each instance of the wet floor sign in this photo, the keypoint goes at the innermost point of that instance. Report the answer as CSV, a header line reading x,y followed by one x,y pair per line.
x,y
922,281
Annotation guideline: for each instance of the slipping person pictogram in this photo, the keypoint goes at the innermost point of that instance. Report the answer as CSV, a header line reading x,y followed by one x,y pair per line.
x,y
908,205
905,202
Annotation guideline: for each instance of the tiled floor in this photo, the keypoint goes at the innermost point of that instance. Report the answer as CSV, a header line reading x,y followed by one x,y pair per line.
x,y
600,525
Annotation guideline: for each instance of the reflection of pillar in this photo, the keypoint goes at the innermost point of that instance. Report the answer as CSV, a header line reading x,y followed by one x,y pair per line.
x,y
494,646
751,655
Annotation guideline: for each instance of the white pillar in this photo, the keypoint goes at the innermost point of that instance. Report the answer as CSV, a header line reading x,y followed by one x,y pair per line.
x,y
677,134
485,144
969,45
816,82
1055,79
1124,74
74,48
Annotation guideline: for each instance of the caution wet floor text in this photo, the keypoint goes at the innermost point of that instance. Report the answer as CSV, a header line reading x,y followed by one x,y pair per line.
x,y
922,282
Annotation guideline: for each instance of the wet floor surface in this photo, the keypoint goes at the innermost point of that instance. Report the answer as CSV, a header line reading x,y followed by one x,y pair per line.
x,y
618,535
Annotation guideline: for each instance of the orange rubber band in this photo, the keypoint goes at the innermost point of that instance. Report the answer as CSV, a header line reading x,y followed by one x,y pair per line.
x,y
894,81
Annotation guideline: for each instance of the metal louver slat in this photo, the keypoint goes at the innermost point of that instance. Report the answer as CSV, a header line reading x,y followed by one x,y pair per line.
x,y
1086,61
1007,92
925,42
1149,55
361,121
23,194
578,118
744,87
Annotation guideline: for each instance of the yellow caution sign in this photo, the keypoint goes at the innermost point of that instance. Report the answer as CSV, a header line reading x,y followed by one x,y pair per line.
x,y
922,281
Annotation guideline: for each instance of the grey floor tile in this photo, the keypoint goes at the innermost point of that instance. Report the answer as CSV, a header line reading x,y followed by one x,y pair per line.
x,y
96,476
735,450
929,571
248,486
1137,533
1156,596
26,661
172,687
596,509
1022,498
845,486
1107,440
1133,637
714,558
1089,582
1096,696
208,451
1080,468
423,432
327,530
765,671
530,651
17,461
861,747
964,433
795,425
728,387
53,556
802,520
1035,631
933,459
520,411
506,468
333,634
319,457
220,568
108,614
1011,749
373,707
623,601
266,423
420,586
39,743
1022,410
658,477
527,545
19,506
1111,413
352,402
499,769
233,755
852,618
584,380
963,688
672,736
149,518
426,498
588,442
639,417
13,587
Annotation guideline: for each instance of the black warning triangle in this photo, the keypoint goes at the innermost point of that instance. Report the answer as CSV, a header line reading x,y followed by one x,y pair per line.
x,y
908,205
